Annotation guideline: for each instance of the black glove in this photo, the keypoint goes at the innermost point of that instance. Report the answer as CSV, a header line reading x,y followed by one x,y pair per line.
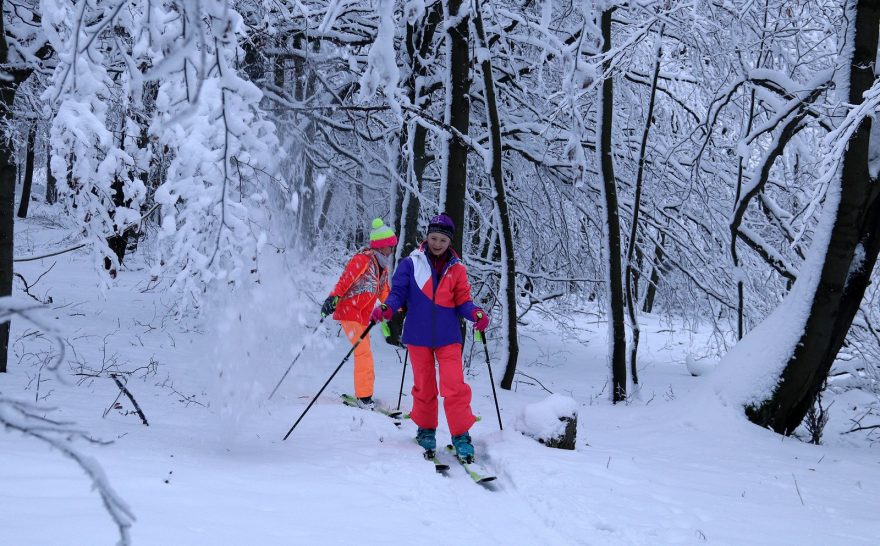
x,y
396,327
329,306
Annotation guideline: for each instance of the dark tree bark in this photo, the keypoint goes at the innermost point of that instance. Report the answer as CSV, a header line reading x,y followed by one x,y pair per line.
x,y
360,236
849,260
8,86
9,82
609,184
460,111
28,173
118,241
631,277
254,64
508,274
654,280
51,183
568,438
734,254
734,230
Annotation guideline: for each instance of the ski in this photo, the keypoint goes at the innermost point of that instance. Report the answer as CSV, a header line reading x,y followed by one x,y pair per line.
x,y
439,466
431,455
476,471
351,401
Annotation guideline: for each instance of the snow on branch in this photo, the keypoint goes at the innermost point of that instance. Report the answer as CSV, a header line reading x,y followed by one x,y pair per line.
x,y
142,80
382,71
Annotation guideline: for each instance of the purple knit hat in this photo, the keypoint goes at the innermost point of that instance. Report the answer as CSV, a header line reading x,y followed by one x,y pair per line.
x,y
442,224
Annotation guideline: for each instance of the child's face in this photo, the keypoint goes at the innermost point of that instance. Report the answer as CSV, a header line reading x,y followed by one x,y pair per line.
x,y
386,251
438,243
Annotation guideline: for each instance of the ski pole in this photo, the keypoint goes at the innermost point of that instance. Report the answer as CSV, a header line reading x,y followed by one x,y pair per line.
x,y
301,351
315,399
481,336
402,377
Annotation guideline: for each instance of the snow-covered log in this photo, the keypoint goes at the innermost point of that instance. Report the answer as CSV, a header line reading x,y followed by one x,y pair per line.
x,y
552,421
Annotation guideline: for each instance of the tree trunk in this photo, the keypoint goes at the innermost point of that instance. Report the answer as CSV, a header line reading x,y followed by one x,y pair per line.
x,y
632,272
325,206
734,231
849,259
420,40
654,280
7,206
508,269
734,227
360,236
8,87
458,98
304,88
615,274
409,228
51,183
28,173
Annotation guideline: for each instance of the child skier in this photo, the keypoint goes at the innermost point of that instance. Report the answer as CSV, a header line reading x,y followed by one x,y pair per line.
x,y
432,283
363,282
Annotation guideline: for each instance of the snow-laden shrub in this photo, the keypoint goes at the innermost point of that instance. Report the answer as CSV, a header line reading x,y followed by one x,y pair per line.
x,y
160,85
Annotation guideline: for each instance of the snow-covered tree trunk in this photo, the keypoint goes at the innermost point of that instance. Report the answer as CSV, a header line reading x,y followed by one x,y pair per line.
x,y
419,41
850,250
631,277
508,256
304,88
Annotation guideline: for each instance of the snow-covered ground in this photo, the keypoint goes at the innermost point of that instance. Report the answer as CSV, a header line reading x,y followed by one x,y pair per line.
x,y
673,466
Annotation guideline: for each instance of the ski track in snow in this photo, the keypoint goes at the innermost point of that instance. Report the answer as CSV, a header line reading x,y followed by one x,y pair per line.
x,y
671,472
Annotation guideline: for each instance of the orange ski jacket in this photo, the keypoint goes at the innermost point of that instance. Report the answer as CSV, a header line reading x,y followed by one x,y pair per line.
x,y
361,283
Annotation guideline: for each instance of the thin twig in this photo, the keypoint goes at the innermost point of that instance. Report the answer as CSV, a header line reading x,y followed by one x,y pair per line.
x,y
535,380
130,397
862,428
33,258
798,489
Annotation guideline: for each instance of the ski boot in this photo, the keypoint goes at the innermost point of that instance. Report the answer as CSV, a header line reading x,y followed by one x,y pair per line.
x,y
427,438
366,403
464,449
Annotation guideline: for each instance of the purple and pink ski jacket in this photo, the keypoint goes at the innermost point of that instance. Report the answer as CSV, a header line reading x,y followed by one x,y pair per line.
x,y
435,300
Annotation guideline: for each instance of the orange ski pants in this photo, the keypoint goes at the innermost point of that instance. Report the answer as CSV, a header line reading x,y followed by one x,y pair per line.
x,y
364,376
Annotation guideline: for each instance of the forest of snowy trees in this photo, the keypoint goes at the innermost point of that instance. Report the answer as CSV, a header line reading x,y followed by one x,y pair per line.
x,y
710,160
713,162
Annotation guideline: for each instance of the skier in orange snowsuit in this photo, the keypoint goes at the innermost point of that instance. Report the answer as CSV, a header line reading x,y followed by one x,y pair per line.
x,y
363,282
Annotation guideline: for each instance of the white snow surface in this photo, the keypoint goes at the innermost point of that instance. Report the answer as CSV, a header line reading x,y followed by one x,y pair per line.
x,y
668,467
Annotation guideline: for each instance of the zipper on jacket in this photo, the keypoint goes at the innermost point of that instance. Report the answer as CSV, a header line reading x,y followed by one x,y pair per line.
x,y
434,298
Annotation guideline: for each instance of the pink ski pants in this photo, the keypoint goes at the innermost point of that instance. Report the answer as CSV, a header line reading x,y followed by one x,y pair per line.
x,y
455,392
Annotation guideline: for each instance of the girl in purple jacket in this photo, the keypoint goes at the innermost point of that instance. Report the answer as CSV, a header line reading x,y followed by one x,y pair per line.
x,y
432,283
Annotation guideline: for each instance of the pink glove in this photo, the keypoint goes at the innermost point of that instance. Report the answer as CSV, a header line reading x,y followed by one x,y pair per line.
x,y
381,313
481,320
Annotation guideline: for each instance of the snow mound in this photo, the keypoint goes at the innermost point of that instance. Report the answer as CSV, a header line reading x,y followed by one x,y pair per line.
x,y
544,420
